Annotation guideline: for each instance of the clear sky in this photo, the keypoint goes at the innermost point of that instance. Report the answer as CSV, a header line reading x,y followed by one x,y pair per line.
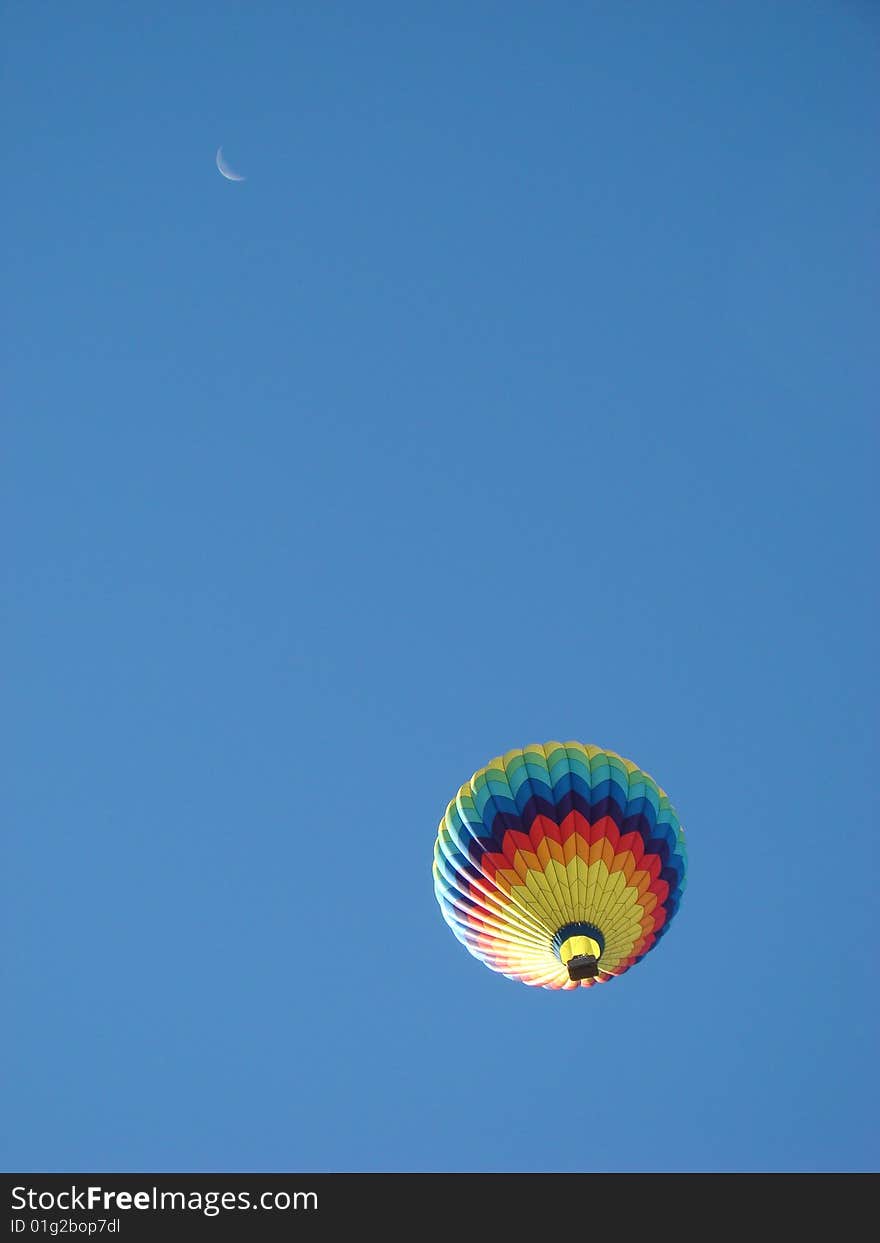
x,y
526,389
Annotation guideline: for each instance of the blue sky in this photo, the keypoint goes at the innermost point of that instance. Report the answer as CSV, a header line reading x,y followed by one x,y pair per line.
x,y
525,390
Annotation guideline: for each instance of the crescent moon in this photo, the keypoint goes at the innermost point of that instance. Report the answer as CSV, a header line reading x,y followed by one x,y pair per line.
x,y
224,168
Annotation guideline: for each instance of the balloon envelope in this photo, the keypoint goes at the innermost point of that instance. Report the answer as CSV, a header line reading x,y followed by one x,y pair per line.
x,y
560,865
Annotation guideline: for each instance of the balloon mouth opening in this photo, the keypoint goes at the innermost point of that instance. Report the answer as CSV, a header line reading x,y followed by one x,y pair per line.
x,y
579,947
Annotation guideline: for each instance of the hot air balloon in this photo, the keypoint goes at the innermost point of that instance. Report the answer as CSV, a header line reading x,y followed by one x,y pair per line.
x,y
560,865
